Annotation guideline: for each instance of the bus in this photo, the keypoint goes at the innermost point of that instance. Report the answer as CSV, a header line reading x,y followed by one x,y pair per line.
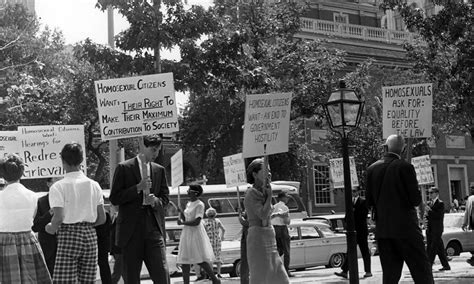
x,y
224,201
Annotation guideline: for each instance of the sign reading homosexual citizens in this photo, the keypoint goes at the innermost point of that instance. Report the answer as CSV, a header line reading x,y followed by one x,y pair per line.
x,y
267,124
40,148
407,110
136,106
234,170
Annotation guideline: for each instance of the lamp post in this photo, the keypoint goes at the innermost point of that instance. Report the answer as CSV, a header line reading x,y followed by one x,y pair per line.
x,y
343,111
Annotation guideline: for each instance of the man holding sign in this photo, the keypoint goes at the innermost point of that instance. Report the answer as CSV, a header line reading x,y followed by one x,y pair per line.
x,y
140,190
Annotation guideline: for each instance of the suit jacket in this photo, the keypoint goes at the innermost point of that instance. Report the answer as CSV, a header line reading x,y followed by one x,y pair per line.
x,y
394,195
360,217
42,218
435,218
124,194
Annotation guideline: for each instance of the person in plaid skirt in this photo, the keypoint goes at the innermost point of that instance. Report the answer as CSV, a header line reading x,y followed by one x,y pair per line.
x,y
21,257
78,207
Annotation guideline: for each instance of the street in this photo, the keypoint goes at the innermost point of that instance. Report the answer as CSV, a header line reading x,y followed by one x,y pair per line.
x,y
461,272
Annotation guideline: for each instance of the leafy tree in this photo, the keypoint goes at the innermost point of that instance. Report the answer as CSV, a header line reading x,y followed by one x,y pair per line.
x,y
445,55
253,52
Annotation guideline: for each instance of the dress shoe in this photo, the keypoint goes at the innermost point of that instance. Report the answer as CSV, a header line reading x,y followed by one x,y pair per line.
x,y
445,268
470,261
367,274
341,274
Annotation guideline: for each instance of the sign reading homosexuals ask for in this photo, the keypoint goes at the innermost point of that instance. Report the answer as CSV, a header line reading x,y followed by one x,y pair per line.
x,y
267,124
136,106
337,172
424,173
40,147
407,110
234,170
177,169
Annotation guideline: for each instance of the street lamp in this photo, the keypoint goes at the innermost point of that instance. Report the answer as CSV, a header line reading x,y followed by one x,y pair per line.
x,y
343,112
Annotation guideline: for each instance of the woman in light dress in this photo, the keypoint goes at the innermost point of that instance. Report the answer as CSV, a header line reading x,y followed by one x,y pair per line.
x,y
265,265
194,245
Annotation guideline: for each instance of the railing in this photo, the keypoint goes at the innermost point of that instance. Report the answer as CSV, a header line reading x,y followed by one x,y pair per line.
x,y
355,31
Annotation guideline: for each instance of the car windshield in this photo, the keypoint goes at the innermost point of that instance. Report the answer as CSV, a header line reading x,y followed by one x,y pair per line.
x,y
326,231
453,220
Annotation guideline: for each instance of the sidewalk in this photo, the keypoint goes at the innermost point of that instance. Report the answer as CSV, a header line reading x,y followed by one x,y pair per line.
x,y
461,272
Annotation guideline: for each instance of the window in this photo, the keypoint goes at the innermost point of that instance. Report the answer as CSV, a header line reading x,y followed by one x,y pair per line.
x,y
293,231
341,18
221,205
309,233
322,192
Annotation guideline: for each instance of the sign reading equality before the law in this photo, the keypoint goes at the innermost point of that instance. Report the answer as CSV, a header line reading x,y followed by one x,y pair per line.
x,y
267,124
234,170
41,145
136,106
407,110
9,143
336,168
424,173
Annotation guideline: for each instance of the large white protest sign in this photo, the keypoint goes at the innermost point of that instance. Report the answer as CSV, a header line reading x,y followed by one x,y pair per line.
x,y
9,143
234,170
40,148
336,168
407,110
136,106
177,169
267,124
424,173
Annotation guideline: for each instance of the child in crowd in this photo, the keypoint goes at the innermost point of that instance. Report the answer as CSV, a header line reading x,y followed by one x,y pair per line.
x,y
215,230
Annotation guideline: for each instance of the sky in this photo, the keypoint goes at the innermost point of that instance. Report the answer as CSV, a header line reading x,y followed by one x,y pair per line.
x,y
79,19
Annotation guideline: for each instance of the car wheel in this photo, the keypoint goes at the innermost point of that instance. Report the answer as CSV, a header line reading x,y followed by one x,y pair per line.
x,y
453,248
336,260
236,269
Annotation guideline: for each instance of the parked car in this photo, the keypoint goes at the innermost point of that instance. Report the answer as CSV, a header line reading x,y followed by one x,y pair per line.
x,y
455,239
313,243
338,225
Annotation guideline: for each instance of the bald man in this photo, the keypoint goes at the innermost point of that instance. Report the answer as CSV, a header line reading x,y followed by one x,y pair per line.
x,y
393,194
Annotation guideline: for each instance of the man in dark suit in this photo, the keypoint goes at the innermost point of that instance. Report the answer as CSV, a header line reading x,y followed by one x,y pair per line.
x,y
48,242
362,232
140,190
392,193
435,217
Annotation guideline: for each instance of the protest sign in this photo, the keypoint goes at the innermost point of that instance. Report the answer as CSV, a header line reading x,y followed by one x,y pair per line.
x,y
336,168
234,170
136,106
407,110
40,148
177,169
9,143
267,124
424,173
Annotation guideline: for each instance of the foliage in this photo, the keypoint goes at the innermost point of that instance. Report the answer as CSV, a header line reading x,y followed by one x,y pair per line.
x,y
445,55
253,52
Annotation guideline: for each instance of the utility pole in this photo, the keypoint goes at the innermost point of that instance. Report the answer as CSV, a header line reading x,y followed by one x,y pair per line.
x,y
116,154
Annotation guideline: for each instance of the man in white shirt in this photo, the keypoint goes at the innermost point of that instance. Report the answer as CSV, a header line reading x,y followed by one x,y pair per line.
x,y
280,221
78,206
469,219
